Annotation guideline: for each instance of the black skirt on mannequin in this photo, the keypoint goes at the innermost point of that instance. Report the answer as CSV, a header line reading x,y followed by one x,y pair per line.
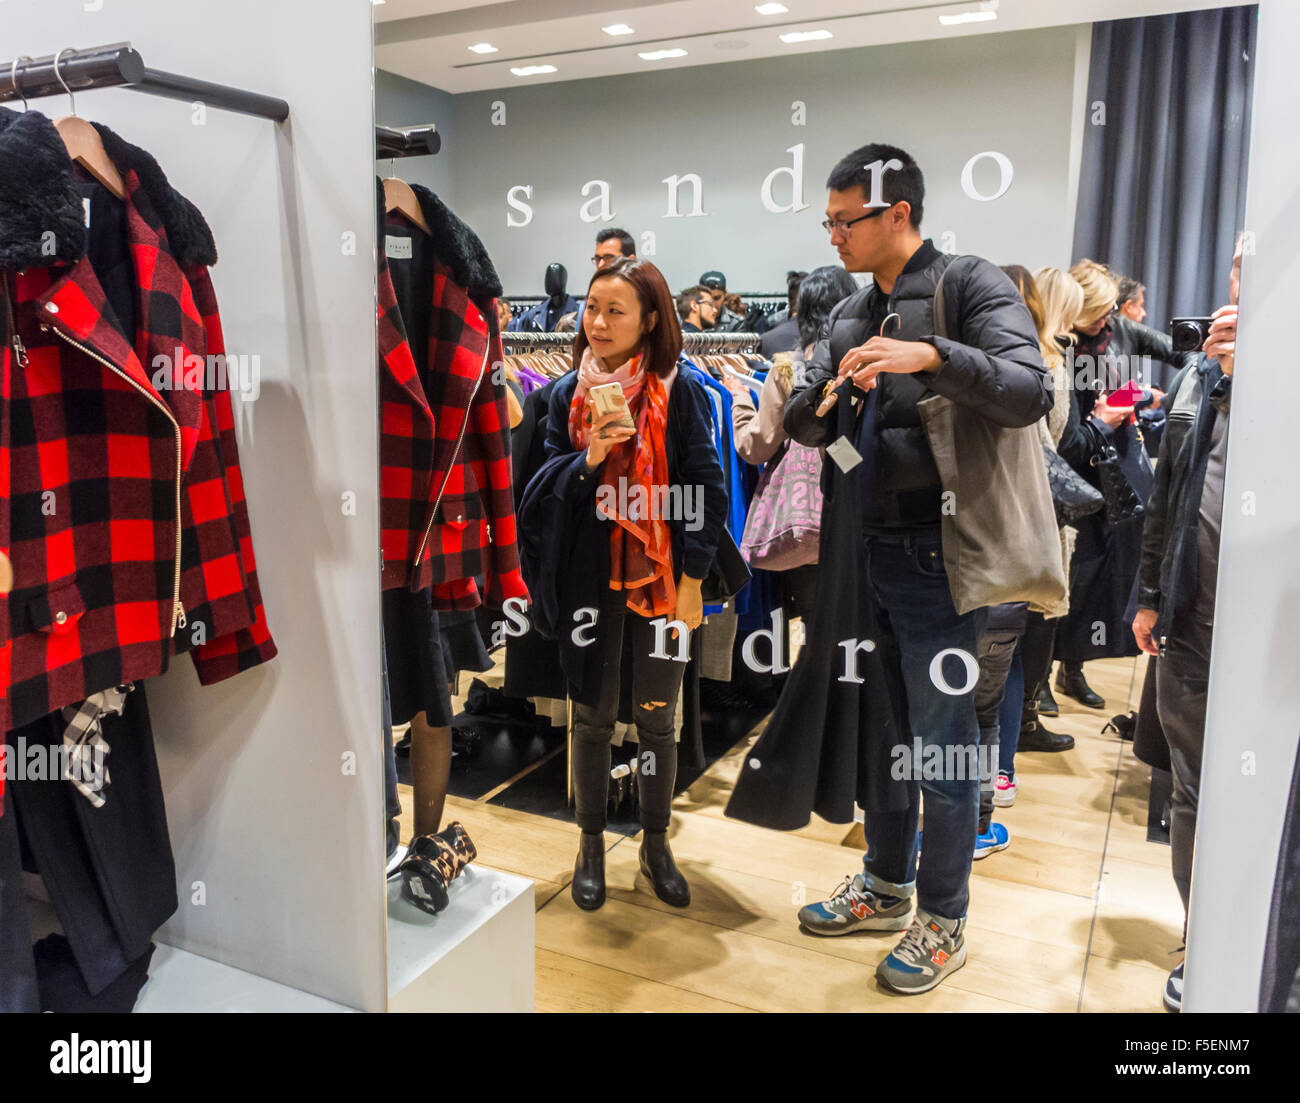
x,y
417,669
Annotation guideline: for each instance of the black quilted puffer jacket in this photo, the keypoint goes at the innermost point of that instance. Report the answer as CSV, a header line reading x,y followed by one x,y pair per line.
x,y
991,361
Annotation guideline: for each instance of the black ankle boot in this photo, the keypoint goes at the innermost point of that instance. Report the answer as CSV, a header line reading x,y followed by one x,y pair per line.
x,y
1035,737
1047,705
658,865
588,886
1073,684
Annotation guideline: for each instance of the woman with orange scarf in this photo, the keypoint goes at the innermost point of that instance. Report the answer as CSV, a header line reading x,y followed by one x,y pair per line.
x,y
643,519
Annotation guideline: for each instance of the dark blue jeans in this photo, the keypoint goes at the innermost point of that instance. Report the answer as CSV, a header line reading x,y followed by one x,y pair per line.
x,y
911,587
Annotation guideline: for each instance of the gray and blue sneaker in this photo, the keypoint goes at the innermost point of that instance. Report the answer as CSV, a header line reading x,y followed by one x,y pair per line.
x,y
854,907
931,949
1173,1000
996,838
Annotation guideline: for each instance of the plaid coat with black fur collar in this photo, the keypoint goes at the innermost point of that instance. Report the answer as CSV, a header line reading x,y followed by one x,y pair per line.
x,y
447,508
121,499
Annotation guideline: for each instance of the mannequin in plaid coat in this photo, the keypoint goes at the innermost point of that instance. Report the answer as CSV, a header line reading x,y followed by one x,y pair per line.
x,y
447,511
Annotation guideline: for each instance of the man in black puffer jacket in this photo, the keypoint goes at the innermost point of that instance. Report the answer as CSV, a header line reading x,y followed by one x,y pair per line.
x,y
884,337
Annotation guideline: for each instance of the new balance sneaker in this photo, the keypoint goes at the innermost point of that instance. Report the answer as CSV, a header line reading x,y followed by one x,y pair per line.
x,y
996,838
854,907
1004,794
931,949
1174,989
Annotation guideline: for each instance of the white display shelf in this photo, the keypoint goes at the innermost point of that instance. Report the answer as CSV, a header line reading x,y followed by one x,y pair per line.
x,y
180,981
477,955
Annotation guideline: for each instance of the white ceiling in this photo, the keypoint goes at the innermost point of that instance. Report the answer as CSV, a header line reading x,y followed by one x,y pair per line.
x,y
429,40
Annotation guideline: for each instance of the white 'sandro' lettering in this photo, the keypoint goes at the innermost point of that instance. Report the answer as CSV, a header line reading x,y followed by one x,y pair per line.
x,y
776,637
968,661
851,649
589,627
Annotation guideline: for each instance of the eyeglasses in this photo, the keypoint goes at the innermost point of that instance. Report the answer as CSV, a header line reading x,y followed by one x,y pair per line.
x,y
831,225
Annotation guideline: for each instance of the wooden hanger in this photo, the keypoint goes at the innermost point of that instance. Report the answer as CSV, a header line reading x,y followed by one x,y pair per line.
x,y
84,145
399,198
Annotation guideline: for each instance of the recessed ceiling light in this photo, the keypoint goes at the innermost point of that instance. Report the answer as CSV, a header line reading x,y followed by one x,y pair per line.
x,y
967,17
618,28
805,36
661,55
532,70
771,9
483,48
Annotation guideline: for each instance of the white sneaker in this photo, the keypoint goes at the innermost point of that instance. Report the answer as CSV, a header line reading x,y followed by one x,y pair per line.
x,y
1004,796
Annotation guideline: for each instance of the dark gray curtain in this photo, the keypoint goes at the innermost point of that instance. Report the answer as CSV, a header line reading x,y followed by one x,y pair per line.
x,y
1162,188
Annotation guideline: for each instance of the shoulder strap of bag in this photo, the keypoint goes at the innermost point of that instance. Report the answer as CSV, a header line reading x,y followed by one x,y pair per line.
x,y
939,306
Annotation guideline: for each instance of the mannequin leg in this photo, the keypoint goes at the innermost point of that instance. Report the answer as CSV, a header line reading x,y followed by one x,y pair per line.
x,y
430,771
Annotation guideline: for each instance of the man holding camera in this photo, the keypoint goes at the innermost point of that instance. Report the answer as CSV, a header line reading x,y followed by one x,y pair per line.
x,y
1180,566
886,339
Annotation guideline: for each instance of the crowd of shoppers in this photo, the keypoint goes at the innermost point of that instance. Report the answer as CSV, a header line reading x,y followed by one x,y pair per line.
x,y
857,372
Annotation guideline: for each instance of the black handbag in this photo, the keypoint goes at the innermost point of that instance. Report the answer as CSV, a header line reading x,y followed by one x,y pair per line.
x,y
728,574
1122,501
1072,495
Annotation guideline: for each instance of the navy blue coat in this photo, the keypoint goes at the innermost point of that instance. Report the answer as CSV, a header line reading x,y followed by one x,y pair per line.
x,y
565,544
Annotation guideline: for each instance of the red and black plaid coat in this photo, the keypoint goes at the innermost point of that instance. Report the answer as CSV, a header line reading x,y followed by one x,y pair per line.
x,y
447,511
123,499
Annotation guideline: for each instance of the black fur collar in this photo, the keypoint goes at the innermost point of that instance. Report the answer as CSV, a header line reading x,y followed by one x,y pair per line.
x,y
38,196
454,244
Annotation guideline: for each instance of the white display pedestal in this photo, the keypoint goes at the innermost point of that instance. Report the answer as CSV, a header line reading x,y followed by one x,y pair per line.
x,y
180,981
477,955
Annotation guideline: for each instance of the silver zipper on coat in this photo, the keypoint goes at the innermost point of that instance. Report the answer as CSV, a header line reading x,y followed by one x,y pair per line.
x,y
178,610
415,566
20,350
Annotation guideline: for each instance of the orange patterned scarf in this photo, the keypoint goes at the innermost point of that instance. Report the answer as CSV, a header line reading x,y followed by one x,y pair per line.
x,y
640,542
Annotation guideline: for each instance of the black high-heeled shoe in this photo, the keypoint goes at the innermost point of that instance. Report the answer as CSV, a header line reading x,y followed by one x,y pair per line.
x,y
664,876
432,862
588,888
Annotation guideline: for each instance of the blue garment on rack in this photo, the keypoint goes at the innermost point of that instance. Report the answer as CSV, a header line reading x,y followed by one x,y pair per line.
x,y
732,467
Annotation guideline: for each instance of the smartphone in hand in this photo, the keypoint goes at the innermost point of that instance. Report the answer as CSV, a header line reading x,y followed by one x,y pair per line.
x,y
609,398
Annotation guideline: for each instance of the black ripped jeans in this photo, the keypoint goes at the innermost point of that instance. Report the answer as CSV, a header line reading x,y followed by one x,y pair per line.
x,y
656,683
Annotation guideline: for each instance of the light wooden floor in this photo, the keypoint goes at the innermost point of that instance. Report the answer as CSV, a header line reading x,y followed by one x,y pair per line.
x,y
1079,914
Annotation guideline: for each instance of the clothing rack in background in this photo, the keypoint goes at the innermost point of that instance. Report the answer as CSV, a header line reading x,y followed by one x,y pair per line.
x,y
752,298
120,65
691,342
413,141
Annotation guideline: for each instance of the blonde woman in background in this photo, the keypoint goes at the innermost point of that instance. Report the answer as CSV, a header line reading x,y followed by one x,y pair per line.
x,y
1109,351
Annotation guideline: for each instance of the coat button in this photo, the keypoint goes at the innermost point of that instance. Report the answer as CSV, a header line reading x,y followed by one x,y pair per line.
x,y
754,764
60,617
53,308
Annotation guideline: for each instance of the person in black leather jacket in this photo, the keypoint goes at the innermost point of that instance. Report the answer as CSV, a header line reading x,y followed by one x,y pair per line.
x,y
1176,584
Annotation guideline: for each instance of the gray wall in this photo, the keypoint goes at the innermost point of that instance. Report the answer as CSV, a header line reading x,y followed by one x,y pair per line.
x,y
943,101
400,102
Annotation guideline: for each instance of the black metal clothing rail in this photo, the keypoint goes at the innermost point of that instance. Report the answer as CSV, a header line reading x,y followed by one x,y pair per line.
x,y
119,65
415,141
752,298
691,342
